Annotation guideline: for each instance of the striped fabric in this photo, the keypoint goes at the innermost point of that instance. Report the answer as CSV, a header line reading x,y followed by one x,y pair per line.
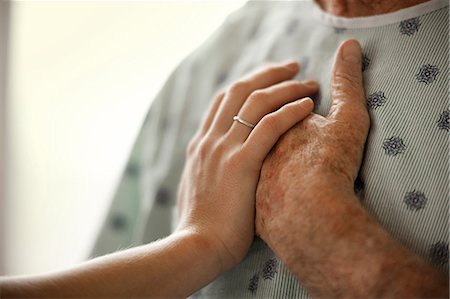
x,y
404,180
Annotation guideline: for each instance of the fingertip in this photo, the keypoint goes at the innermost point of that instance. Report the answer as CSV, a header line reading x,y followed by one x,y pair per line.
x,y
351,51
292,65
311,84
307,103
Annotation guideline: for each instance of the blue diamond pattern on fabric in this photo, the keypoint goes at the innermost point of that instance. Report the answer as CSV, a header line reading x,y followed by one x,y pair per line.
x,y
118,222
132,170
292,26
444,120
253,32
427,73
365,62
338,30
162,196
253,284
270,269
415,200
394,146
439,253
221,78
376,99
409,27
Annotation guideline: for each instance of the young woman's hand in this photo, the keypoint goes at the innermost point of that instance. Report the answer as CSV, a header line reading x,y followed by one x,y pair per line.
x,y
224,159
216,201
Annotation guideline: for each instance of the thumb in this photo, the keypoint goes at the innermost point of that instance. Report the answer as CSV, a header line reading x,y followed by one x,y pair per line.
x,y
347,91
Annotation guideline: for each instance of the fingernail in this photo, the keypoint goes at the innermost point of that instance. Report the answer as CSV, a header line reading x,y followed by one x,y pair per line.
x,y
310,83
352,52
292,65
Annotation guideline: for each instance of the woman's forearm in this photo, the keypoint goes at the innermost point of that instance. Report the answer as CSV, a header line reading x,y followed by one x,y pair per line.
x,y
172,267
216,198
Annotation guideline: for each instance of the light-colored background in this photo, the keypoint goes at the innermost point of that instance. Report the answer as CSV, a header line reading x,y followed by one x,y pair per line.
x,y
4,21
81,76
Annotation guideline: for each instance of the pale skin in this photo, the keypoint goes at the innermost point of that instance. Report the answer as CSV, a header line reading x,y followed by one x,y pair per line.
x,y
331,257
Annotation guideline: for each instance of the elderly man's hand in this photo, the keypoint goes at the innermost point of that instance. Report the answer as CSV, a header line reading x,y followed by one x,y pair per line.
x,y
319,155
308,214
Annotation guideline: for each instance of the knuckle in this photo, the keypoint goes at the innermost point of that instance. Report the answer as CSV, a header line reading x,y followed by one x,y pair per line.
x,y
191,147
258,96
218,150
204,147
239,87
290,111
270,124
286,112
233,160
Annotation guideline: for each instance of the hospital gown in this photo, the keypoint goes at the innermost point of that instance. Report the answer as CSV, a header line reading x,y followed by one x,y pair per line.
x,y
404,179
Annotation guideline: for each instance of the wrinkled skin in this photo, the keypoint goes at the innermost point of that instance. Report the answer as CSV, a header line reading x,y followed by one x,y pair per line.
x,y
316,153
319,154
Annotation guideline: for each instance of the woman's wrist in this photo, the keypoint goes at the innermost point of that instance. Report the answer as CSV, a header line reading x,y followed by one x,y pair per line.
x,y
204,244
175,266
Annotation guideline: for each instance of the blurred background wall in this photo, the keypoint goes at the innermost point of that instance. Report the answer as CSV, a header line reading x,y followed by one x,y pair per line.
x,y
4,22
81,78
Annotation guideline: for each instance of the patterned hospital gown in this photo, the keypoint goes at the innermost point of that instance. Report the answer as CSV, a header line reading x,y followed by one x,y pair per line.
x,y
403,181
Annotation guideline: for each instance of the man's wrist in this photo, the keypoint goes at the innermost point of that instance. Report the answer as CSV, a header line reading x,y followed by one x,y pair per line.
x,y
333,224
351,253
329,208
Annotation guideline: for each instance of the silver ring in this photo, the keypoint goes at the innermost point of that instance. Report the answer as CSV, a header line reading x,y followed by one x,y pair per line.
x,y
244,122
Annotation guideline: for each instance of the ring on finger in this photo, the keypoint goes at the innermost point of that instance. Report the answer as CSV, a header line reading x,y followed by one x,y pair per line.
x,y
244,122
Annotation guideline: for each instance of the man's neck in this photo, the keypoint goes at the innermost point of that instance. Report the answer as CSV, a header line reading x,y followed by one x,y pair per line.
x,y
360,8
